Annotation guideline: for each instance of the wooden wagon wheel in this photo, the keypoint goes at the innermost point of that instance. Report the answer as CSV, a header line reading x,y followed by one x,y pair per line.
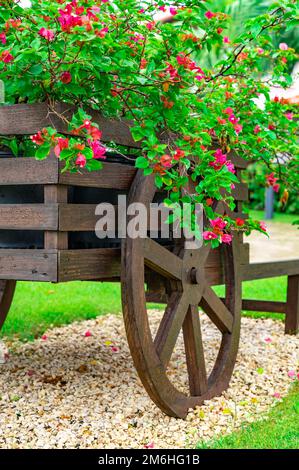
x,y
190,290
7,289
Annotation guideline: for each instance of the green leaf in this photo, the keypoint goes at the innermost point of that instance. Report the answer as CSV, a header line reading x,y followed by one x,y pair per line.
x,y
142,162
42,152
36,69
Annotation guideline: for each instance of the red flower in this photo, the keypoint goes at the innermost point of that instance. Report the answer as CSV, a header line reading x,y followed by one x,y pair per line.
x,y
263,226
173,11
240,222
166,161
95,133
179,154
257,129
61,144
150,25
87,334
66,77
6,57
38,138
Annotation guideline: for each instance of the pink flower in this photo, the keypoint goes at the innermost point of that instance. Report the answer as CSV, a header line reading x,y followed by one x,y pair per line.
x,y
257,129
44,337
81,160
209,15
99,151
173,11
3,38
271,179
226,40
102,32
150,26
61,144
150,445
268,340
232,118
263,226
289,116
209,235
238,128
66,77
218,223
276,395
114,349
47,34
283,46
260,50
276,187
291,374
87,334
230,166
226,238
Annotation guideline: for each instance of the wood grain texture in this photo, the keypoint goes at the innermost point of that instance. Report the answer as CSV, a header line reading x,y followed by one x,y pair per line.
x,y
7,289
112,175
27,170
91,264
54,239
28,217
269,269
263,306
28,265
292,306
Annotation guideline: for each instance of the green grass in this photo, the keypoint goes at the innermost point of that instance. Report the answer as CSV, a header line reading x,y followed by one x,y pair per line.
x,y
38,306
278,217
279,431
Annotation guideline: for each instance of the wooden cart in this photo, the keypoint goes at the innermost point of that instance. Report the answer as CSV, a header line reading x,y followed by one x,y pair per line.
x,y
47,221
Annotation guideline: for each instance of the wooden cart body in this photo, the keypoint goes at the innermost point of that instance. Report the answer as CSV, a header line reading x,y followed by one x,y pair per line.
x,y
47,223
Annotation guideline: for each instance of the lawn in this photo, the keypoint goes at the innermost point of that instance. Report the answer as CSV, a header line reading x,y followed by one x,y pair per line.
x,y
279,431
38,306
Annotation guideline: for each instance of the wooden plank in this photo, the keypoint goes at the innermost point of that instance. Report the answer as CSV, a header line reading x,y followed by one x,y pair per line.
x,y
77,217
269,269
53,239
98,263
28,217
112,175
292,306
263,306
27,119
28,265
28,170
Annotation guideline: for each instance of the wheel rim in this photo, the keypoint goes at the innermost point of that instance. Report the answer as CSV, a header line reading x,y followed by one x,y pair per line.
x,y
7,289
190,290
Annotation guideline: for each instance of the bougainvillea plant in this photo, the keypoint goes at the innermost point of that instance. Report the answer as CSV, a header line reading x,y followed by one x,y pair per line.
x,y
114,56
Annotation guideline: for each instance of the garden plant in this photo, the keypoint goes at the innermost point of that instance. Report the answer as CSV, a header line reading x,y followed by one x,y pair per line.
x,y
116,58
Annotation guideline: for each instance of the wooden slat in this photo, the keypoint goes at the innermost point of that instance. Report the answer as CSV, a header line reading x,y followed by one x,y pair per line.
x,y
98,263
28,217
77,217
27,119
269,269
25,171
112,175
263,306
28,265
53,239
292,306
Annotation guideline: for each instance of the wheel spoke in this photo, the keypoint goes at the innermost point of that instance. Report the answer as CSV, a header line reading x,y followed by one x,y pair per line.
x,y
170,326
198,383
217,310
162,260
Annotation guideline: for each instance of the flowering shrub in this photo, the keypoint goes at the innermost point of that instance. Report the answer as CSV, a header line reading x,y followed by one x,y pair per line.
x,y
113,56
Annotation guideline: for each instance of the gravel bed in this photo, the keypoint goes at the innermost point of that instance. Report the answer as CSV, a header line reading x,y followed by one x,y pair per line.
x,y
76,387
